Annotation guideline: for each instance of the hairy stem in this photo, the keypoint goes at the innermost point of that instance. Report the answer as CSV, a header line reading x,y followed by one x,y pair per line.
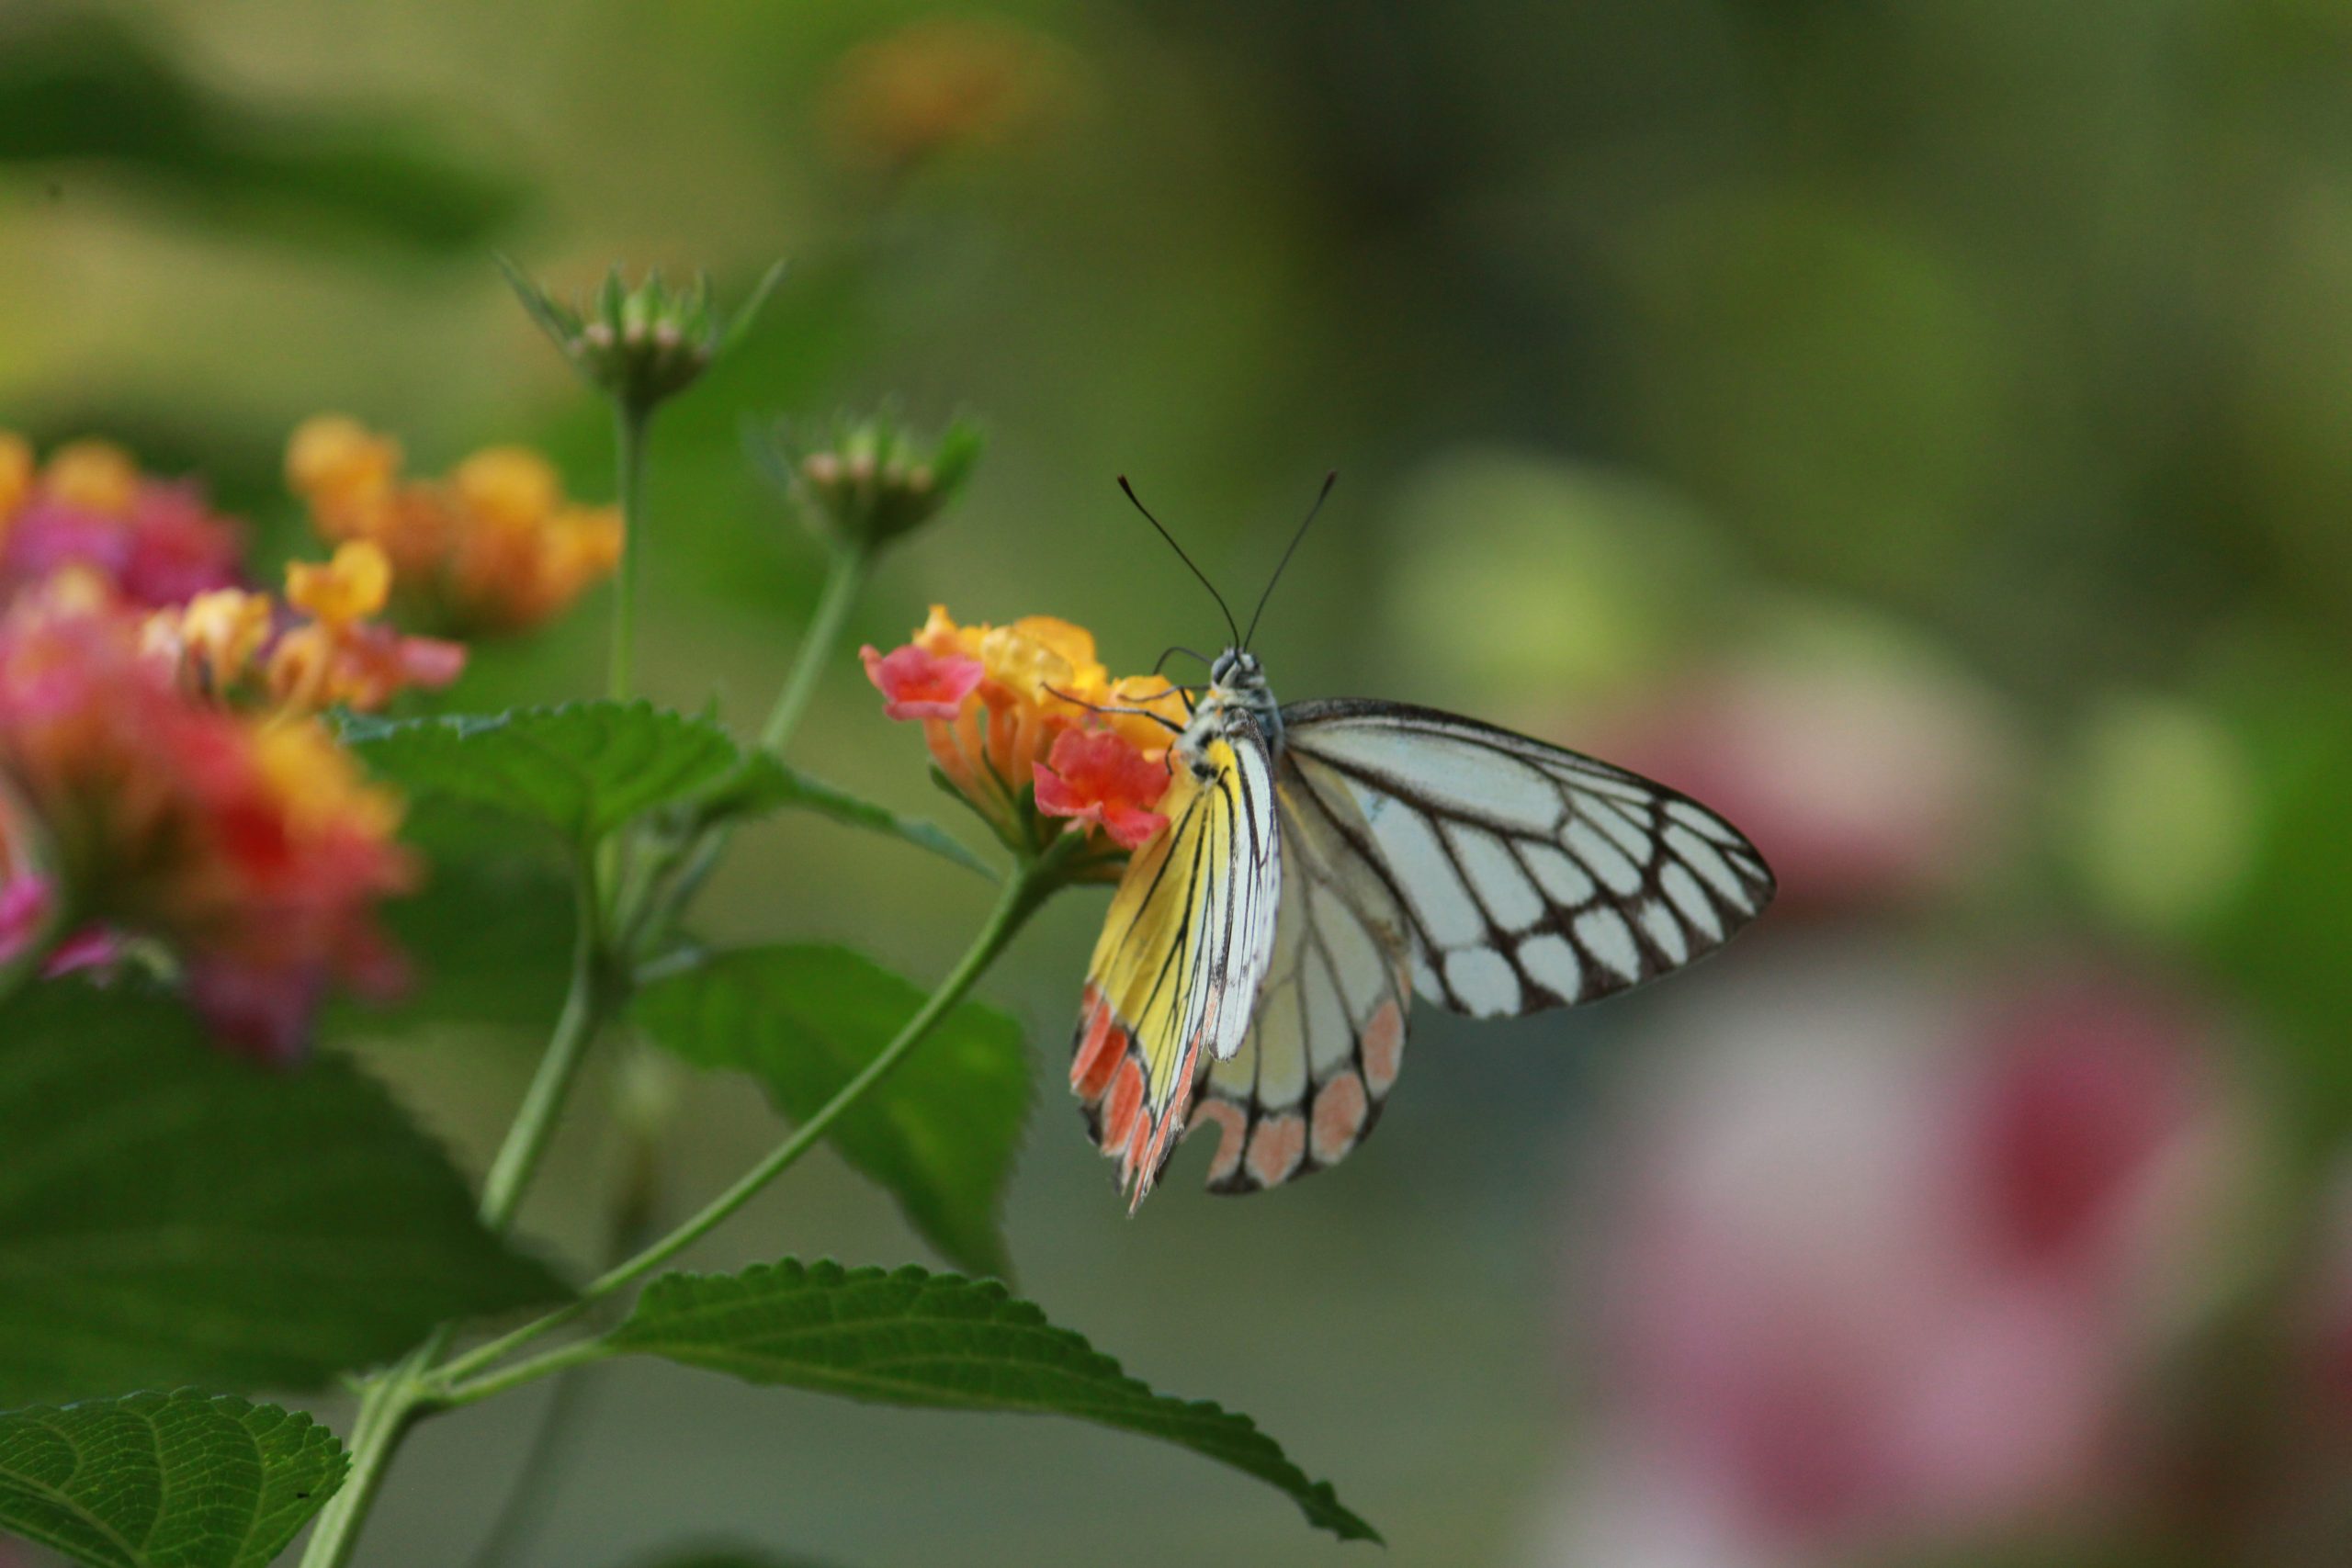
x,y
1023,893
630,424
850,570
586,1002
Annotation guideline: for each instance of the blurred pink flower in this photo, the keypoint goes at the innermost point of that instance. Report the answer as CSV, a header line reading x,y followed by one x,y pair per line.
x,y
1890,1270
153,542
1865,780
251,846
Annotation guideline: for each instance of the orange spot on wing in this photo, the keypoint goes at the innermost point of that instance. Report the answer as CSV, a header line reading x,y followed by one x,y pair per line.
x,y
1231,1130
1383,1046
1126,1098
1098,1050
1277,1147
1339,1109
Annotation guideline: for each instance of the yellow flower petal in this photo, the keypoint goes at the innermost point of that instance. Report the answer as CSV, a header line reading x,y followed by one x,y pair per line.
x,y
351,587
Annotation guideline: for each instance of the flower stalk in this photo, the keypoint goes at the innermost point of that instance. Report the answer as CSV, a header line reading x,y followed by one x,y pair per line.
x,y
631,423
853,565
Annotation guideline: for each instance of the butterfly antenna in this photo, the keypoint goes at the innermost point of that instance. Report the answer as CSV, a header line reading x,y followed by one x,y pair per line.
x,y
1183,556
1187,652
1320,497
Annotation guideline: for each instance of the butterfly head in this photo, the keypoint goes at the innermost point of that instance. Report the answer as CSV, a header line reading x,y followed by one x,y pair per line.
x,y
1236,668
1238,680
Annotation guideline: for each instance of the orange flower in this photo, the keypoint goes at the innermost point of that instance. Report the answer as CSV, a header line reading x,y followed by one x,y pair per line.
x,y
494,549
998,704
939,85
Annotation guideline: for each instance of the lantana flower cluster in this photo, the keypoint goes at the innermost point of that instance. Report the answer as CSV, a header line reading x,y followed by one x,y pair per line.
x,y
321,647
493,547
169,793
88,509
1026,724
246,845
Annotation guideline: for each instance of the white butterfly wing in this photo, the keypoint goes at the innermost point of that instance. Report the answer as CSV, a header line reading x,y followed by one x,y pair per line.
x,y
1528,876
1328,1034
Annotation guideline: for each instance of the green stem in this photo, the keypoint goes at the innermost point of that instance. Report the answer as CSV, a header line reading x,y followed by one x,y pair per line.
x,y
1023,893
850,570
393,1399
387,1409
585,1002
566,1358
630,424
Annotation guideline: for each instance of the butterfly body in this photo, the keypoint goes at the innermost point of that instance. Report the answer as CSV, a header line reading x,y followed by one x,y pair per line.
x,y
1328,861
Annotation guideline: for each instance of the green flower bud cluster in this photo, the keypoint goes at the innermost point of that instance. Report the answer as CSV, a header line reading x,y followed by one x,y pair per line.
x,y
642,343
868,481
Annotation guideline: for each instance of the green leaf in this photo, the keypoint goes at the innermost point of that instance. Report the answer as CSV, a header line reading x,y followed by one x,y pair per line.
x,y
766,784
183,1479
582,769
169,1214
906,1336
720,1557
940,1134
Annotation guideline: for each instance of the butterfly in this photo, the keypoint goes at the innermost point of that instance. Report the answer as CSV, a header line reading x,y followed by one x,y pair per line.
x,y
1325,862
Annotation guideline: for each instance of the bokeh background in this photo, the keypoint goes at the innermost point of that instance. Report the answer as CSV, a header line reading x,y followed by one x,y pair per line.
x,y
1923,430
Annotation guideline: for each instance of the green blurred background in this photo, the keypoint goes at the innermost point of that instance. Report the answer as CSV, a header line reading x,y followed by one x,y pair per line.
x,y
1920,428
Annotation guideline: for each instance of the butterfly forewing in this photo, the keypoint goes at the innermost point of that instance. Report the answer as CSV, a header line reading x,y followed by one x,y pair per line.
x,y
1529,876
1183,952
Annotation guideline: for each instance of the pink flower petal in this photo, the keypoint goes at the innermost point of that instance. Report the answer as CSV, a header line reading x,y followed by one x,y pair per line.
x,y
919,684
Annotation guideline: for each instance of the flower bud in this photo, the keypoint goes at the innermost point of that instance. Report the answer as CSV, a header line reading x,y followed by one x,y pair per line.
x,y
645,343
868,481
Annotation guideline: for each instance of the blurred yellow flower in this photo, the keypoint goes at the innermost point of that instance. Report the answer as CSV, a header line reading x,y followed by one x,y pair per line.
x,y
92,475
495,547
340,464
507,487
